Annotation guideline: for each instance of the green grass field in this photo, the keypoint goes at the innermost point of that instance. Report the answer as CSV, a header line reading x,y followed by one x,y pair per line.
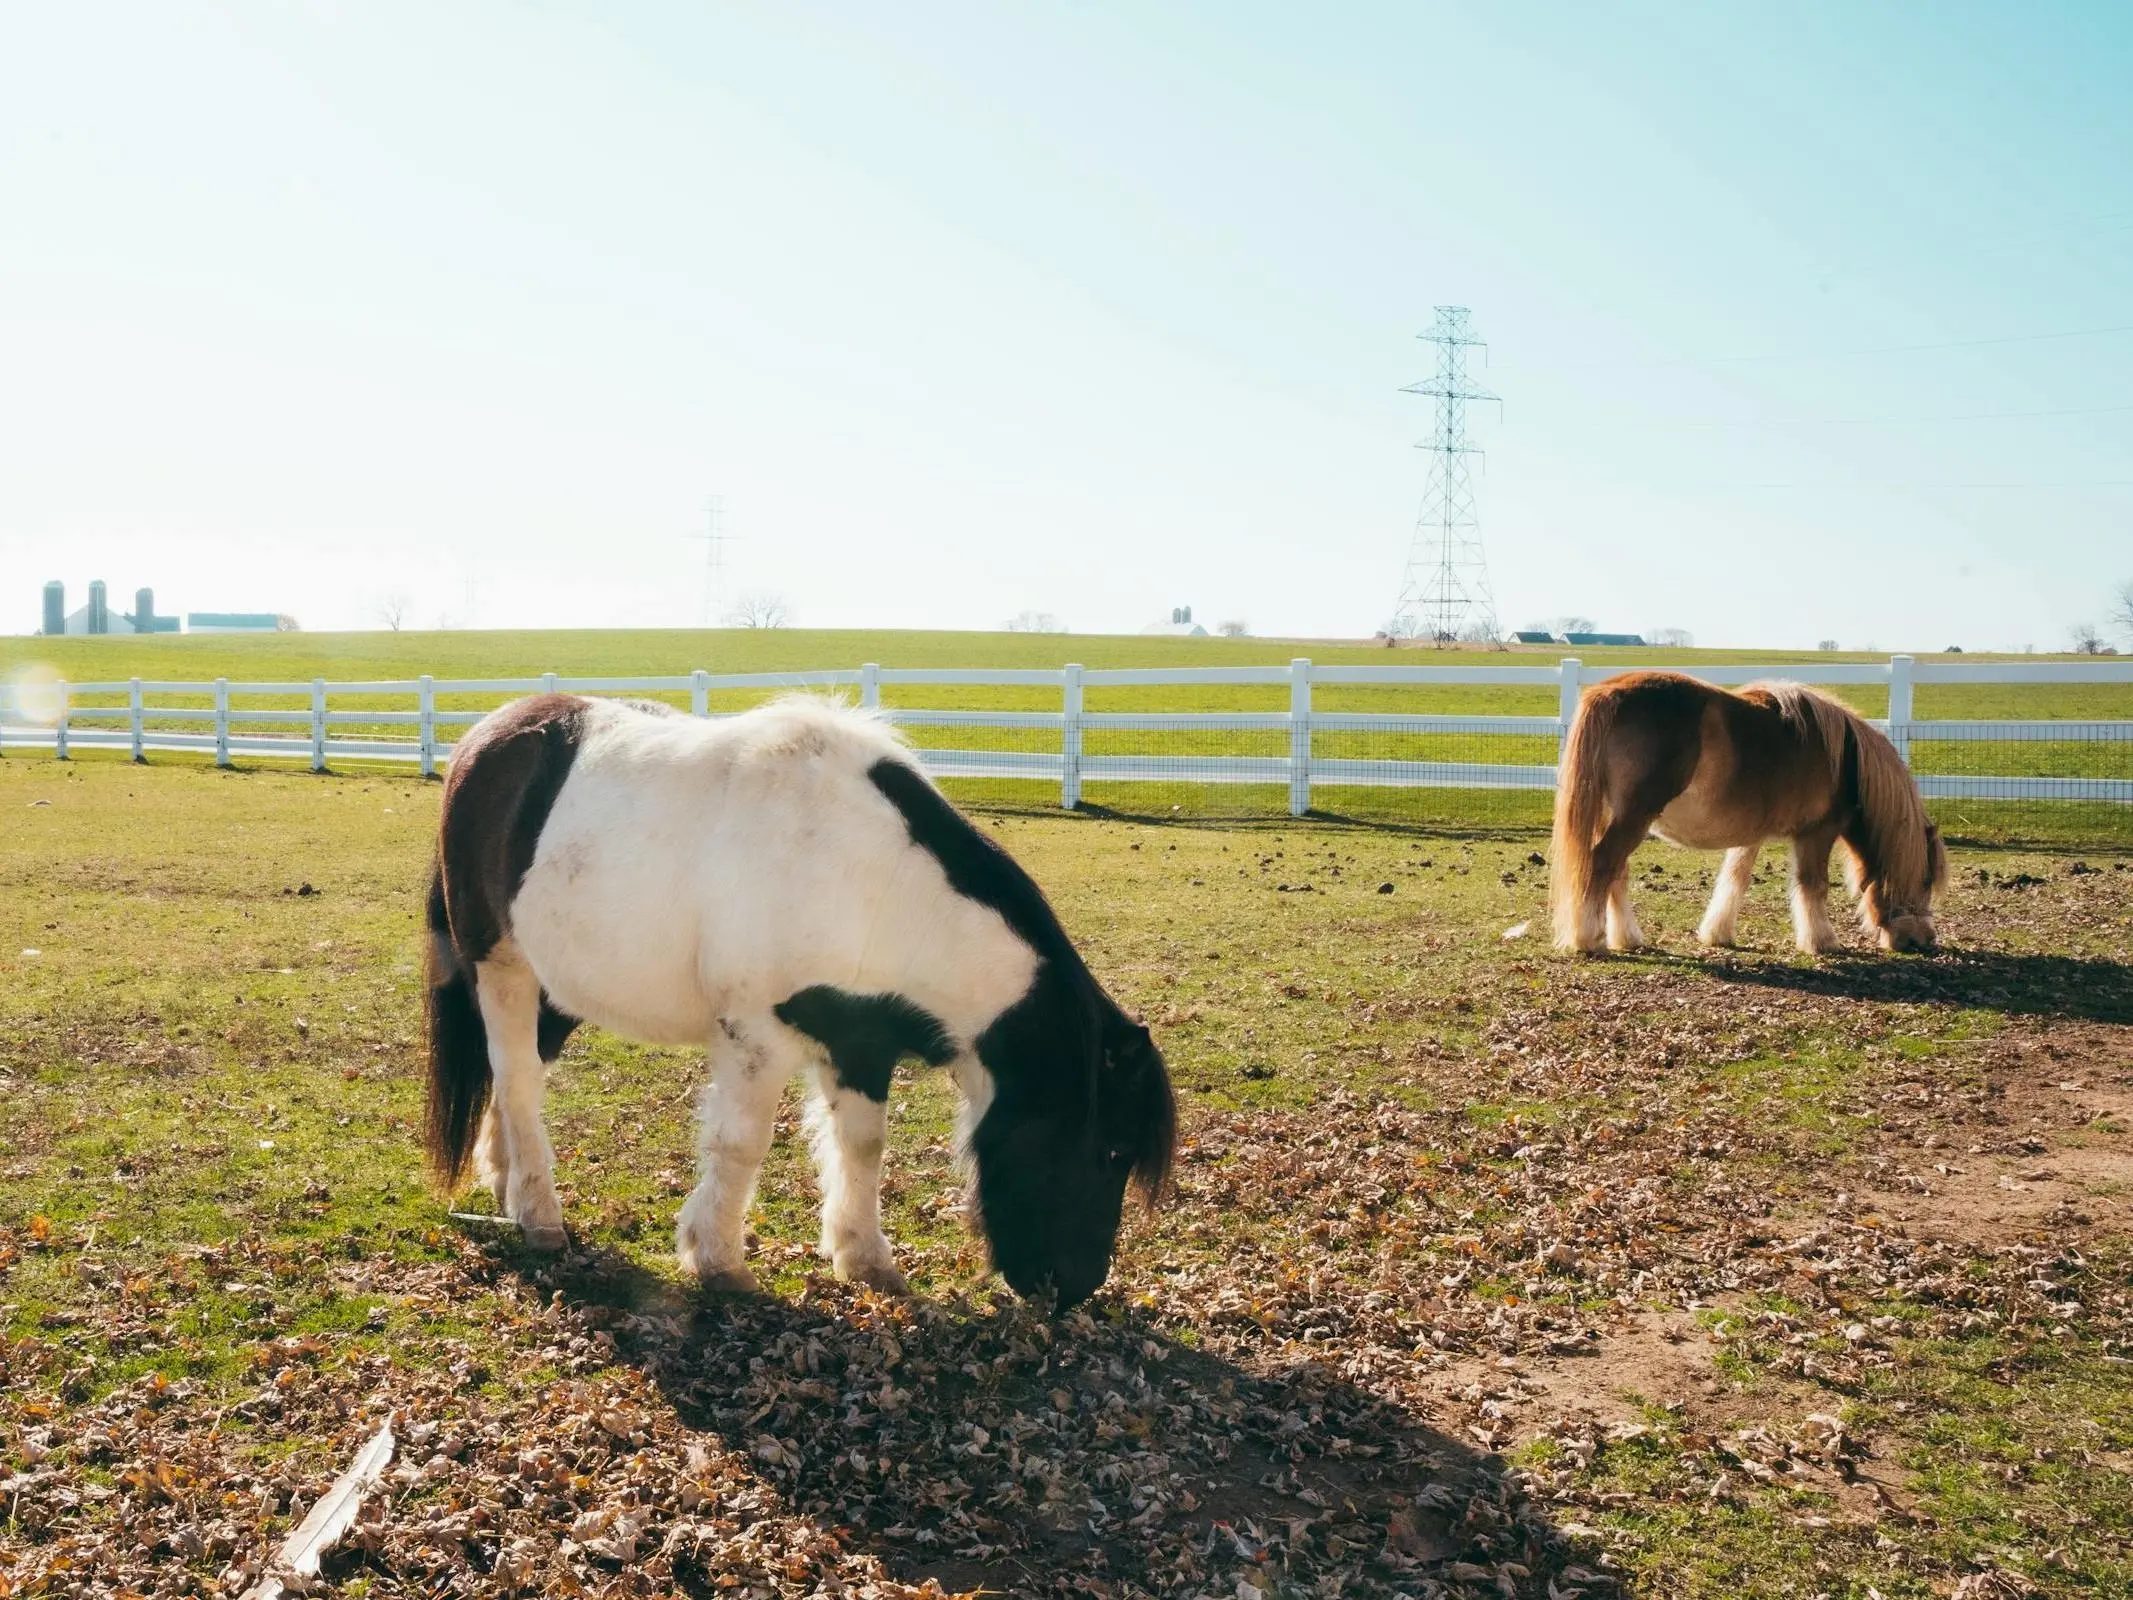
x,y
387,656
1489,1272
649,652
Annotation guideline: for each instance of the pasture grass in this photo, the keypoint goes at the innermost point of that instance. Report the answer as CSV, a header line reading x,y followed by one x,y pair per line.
x,y
1419,1154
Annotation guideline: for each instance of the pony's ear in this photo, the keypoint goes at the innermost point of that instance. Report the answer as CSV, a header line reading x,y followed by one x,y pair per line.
x,y
1139,1106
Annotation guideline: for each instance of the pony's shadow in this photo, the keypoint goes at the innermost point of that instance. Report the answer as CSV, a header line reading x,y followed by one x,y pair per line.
x,y
2077,988
986,1447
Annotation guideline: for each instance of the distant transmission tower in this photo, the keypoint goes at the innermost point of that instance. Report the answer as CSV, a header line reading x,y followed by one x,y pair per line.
x,y
714,539
1444,592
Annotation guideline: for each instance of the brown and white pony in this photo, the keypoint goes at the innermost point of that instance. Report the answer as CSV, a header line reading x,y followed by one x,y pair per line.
x,y
787,891
1659,753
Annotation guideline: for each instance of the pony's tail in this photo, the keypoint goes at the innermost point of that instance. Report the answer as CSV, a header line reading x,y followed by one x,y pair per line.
x,y
1580,804
458,1073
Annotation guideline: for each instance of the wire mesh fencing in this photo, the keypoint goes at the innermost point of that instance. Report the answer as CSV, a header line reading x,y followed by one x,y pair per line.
x,y
1450,748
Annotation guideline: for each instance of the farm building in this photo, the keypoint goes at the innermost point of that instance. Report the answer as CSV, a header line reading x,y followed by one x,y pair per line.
x,y
232,622
1534,636
1180,625
97,617
1604,638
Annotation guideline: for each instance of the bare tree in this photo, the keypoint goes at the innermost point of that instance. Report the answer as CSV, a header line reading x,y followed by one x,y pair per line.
x,y
2122,609
1035,622
392,609
1827,644
1235,628
760,608
1576,625
2087,638
284,623
1673,638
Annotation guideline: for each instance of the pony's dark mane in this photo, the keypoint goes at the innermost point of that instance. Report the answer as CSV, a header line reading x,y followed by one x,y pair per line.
x,y
977,868
980,870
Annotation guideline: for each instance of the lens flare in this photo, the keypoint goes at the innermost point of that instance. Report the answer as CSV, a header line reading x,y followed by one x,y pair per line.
x,y
35,694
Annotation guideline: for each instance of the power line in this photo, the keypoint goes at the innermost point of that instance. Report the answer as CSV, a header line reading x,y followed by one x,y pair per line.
x,y
1843,355
1946,416
1899,486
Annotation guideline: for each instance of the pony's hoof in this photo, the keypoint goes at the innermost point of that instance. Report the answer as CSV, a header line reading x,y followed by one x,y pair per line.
x,y
881,1276
729,1280
544,1236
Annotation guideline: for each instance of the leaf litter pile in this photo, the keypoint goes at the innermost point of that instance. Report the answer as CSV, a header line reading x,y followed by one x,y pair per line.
x,y
1558,1282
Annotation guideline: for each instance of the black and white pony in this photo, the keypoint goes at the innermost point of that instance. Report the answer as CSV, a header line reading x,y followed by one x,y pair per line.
x,y
787,889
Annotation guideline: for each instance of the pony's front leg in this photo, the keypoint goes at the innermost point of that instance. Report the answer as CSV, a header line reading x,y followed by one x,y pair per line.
x,y
736,1115
850,1134
1721,919
514,1156
1810,892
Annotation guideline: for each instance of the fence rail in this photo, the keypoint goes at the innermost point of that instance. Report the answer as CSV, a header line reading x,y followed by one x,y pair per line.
x,y
1293,749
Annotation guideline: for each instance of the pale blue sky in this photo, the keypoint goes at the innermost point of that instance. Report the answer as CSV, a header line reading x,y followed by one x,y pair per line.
x,y
1097,309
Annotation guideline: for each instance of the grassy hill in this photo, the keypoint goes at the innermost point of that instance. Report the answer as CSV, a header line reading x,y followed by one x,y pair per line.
x,y
648,651
644,651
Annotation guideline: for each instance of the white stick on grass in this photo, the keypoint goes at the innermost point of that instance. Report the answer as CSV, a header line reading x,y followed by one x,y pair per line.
x,y
336,1509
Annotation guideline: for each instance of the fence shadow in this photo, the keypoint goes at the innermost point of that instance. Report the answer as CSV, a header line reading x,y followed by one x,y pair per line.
x,y
985,1447
2077,988
1316,819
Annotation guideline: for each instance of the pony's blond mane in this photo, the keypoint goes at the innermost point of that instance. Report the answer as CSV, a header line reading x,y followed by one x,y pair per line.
x,y
1896,865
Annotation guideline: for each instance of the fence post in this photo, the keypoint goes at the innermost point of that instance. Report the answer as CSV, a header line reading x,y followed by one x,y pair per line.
x,y
59,728
548,683
870,685
222,722
426,729
318,724
1566,702
699,693
133,717
1070,738
1299,736
1900,705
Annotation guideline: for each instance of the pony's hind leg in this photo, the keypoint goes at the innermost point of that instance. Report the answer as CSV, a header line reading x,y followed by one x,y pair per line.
x,y
492,1159
850,1134
1608,903
1721,919
736,1115
1811,928
514,1153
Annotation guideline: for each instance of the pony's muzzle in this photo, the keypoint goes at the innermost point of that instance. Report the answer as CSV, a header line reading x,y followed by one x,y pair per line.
x,y
1910,935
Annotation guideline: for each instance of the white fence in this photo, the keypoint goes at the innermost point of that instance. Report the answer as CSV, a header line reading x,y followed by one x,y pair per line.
x,y
307,731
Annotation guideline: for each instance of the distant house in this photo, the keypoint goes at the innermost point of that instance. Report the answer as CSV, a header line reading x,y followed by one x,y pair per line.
x,y
1180,624
1534,636
232,622
1604,638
